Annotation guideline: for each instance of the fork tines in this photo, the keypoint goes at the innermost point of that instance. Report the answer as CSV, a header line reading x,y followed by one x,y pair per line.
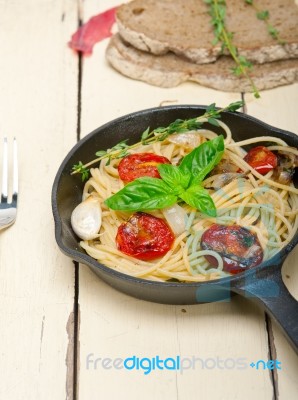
x,y
5,174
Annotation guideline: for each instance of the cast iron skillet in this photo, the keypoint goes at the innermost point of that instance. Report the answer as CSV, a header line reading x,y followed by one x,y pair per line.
x,y
262,284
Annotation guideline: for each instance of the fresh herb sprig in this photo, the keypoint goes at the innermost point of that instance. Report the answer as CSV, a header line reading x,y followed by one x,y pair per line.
x,y
120,150
225,37
177,183
264,15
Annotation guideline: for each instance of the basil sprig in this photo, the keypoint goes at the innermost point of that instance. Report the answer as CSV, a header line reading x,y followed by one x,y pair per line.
x,y
177,183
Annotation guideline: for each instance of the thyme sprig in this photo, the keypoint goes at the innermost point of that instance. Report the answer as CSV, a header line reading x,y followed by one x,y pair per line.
x,y
225,37
120,150
264,15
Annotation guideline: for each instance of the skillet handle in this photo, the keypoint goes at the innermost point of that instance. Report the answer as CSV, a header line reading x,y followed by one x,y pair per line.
x,y
270,292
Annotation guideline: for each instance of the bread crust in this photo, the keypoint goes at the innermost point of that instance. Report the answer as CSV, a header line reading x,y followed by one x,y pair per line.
x,y
170,70
183,27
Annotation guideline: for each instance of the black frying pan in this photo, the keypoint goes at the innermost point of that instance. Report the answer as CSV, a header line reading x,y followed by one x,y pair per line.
x,y
262,284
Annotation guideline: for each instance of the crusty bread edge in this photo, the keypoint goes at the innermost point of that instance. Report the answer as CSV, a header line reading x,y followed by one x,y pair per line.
x,y
266,53
138,72
154,46
155,77
269,53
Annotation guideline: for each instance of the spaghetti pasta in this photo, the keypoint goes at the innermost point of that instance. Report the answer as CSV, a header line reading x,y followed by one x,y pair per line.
x,y
265,207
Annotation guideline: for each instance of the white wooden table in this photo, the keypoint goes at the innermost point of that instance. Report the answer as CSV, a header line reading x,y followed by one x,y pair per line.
x,y
55,313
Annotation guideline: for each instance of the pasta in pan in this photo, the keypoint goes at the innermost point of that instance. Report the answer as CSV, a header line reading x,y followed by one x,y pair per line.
x,y
244,197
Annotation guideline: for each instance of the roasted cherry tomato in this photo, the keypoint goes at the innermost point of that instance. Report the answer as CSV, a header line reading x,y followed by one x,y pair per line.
x,y
239,248
261,159
144,236
137,165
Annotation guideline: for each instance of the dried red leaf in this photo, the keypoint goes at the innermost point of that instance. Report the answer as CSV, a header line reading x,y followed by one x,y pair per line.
x,y
93,31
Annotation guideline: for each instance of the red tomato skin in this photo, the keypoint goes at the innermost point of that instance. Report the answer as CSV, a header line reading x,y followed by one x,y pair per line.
x,y
232,243
144,237
138,165
261,159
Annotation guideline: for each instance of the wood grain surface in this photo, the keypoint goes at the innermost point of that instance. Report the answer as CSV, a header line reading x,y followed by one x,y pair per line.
x,y
55,315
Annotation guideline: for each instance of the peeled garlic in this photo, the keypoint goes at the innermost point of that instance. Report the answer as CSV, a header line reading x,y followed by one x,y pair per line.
x,y
176,217
190,139
86,218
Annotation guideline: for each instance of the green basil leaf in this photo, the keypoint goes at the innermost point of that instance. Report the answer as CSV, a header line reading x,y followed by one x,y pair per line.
x,y
203,159
198,197
142,194
172,175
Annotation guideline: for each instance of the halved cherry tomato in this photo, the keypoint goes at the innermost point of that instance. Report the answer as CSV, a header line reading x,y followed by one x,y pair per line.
x,y
137,165
261,159
144,237
239,248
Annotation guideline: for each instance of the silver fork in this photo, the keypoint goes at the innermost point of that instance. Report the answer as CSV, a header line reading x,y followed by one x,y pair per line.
x,y
8,210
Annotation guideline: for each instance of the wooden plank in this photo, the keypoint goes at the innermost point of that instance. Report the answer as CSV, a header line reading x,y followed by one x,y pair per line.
x,y
123,327
276,107
38,103
114,325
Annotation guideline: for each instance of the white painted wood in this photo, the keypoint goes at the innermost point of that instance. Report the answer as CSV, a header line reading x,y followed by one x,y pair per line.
x,y
276,107
38,100
38,95
115,325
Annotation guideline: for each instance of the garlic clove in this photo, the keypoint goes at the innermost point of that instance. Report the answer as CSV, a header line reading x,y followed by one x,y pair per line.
x,y
86,218
189,140
176,217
